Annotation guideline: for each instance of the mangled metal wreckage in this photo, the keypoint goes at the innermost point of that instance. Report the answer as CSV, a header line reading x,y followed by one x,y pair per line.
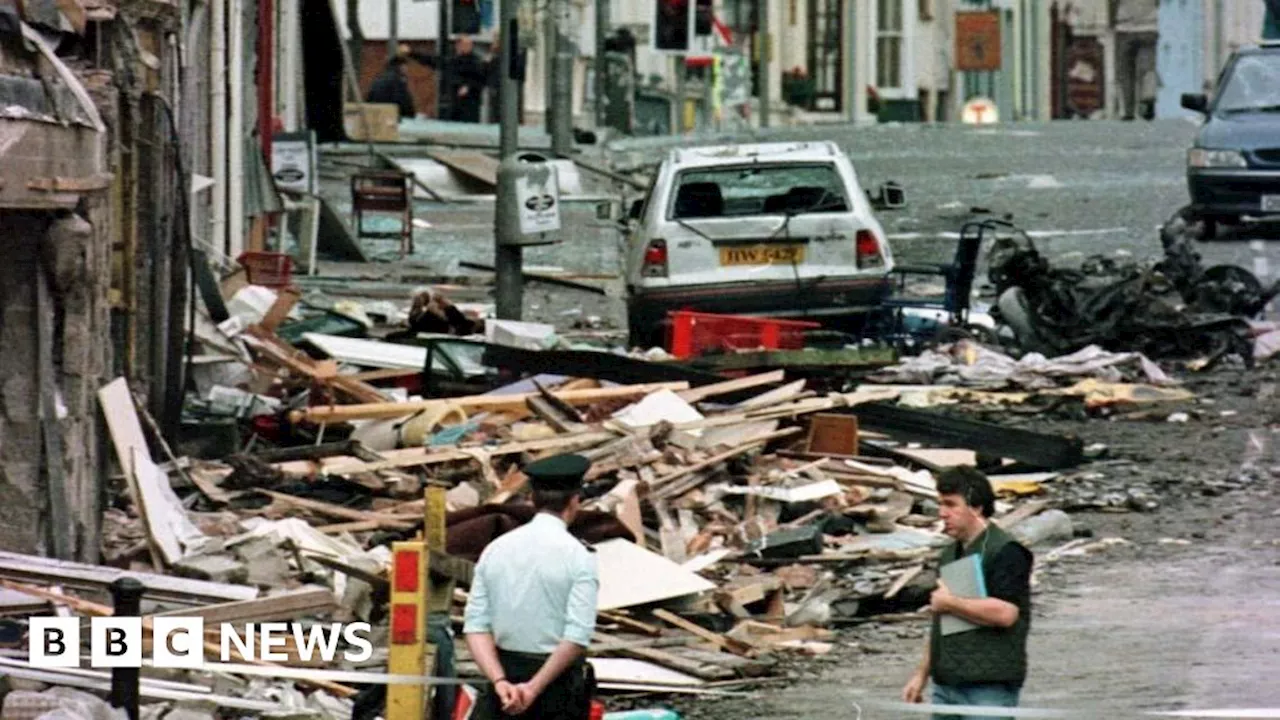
x,y
1172,308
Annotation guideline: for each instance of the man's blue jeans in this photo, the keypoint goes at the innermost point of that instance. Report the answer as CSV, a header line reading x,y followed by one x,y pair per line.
x,y
993,695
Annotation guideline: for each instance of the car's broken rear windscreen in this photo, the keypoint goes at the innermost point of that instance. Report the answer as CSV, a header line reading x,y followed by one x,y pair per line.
x,y
758,189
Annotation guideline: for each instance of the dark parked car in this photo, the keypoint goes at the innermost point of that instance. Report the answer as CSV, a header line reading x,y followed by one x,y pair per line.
x,y
1233,169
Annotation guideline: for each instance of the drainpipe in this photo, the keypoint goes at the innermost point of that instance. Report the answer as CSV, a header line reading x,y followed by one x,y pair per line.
x,y
218,111
235,134
1218,13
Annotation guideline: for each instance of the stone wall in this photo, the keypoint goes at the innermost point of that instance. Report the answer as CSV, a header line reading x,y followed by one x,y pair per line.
x,y
51,475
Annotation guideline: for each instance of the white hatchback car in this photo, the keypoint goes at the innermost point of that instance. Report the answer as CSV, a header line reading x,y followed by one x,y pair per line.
x,y
777,229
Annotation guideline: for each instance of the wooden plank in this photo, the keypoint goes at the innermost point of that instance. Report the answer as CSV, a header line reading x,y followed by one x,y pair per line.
x,y
902,581
656,486
699,394
631,623
96,577
388,522
1021,513
673,485
514,402
737,647
166,524
385,374
411,457
777,396
288,605
630,670
474,165
704,671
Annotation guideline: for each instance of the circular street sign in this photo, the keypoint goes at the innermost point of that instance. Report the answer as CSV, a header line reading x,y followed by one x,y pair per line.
x,y
980,111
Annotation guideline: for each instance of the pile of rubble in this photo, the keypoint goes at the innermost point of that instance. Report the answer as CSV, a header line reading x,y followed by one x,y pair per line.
x,y
737,519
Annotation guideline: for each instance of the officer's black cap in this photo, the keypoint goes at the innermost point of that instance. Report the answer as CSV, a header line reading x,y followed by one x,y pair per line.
x,y
558,472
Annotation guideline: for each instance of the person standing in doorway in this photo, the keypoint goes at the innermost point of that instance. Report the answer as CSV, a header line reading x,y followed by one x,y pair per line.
x,y
532,606
987,664
392,86
465,79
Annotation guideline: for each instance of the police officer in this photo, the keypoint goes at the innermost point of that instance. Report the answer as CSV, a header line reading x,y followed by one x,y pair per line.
x,y
532,607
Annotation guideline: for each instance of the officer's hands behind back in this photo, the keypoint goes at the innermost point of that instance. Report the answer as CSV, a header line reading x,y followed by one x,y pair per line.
x,y
512,702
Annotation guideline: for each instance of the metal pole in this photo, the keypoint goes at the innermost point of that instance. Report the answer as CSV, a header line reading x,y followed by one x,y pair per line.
x,y
549,66
562,82
602,35
508,257
126,601
680,103
393,25
444,104
766,49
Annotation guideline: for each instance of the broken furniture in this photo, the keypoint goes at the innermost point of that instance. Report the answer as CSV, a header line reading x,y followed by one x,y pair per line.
x,y
388,192
955,299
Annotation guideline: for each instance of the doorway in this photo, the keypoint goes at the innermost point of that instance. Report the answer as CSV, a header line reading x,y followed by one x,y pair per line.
x,y
826,54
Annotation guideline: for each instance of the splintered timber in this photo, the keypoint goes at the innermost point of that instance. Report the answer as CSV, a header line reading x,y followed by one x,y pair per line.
x,y
180,642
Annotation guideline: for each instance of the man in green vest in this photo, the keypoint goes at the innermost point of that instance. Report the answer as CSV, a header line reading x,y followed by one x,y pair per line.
x,y
986,664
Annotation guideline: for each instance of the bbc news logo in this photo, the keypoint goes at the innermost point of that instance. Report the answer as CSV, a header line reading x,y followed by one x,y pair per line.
x,y
180,642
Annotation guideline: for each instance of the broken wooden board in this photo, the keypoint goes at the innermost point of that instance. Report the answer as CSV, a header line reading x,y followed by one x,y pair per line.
x,y
29,568
699,394
411,457
166,519
292,604
728,644
476,166
601,643
777,396
507,403
629,670
631,575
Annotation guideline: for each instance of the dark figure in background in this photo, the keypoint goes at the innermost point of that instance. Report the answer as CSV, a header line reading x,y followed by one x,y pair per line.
x,y
392,86
466,77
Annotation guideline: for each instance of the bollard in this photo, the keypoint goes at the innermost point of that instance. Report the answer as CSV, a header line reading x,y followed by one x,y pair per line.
x,y
126,601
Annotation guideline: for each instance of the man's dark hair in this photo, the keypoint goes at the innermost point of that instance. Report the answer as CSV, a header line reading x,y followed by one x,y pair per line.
x,y
968,483
553,500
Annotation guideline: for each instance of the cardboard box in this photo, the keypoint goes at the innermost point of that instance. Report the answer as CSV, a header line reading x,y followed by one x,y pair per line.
x,y
384,121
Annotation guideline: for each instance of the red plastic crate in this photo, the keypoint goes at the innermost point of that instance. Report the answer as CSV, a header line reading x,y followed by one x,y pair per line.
x,y
694,333
268,269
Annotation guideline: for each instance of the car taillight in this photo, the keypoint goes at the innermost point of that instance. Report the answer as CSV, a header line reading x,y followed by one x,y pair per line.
x,y
868,250
655,259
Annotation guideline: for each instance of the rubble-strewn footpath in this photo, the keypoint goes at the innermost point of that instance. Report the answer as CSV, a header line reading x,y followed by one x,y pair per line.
x,y
741,520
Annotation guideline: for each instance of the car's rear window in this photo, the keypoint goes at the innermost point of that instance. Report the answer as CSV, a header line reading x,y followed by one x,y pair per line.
x,y
1252,85
758,189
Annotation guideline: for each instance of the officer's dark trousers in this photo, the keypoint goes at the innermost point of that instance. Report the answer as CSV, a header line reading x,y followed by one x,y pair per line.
x,y
567,698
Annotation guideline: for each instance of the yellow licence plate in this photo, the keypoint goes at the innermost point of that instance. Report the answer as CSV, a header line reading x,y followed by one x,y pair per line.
x,y
762,255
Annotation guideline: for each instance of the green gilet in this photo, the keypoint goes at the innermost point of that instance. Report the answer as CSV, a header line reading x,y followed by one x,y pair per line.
x,y
986,654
